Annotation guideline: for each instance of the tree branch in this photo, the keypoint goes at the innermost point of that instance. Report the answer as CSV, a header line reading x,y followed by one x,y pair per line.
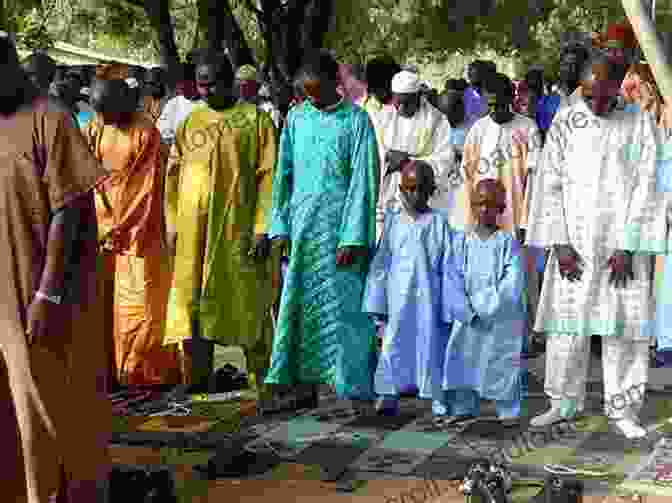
x,y
251,7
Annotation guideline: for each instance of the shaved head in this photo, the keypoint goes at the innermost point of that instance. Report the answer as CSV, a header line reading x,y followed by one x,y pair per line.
x,y
490,189
423,173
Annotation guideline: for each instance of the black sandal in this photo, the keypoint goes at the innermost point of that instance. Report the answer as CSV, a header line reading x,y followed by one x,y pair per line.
x,y
443,421
510,422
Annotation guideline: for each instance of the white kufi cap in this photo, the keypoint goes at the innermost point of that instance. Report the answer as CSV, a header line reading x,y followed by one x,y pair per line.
x,y
406,83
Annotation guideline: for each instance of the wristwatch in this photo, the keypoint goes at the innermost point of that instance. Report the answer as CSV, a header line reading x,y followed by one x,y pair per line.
x,y
54,299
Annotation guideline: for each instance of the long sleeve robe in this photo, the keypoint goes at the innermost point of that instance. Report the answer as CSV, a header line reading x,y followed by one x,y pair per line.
x,y
324,198
137,268
221,191
47,166
426,137
485,355
597,211
411,270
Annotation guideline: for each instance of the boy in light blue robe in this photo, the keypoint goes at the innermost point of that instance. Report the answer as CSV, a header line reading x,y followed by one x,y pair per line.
x,y
483,355
409,291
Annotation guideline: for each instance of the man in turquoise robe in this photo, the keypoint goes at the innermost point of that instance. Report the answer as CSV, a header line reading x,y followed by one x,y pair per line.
x,y
324,200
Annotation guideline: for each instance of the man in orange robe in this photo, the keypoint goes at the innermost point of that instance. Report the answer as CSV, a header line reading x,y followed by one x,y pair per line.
x,y
130,216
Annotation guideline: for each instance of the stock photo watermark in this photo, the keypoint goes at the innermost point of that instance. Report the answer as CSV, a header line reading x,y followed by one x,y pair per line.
x,y
209,134
562,129
427,491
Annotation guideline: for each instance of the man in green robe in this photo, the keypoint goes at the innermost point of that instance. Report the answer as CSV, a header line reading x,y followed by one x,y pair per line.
x,y
324,200
218,196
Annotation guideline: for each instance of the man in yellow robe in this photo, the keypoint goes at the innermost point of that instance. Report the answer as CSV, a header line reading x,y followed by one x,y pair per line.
x,y
218,194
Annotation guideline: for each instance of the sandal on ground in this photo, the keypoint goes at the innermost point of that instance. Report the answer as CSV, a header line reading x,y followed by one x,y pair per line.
x,y
454,420
509,422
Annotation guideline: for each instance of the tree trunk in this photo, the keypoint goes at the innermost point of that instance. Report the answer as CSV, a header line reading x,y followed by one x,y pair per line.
x,y
293,29
222,32
4,21
158,13
651,45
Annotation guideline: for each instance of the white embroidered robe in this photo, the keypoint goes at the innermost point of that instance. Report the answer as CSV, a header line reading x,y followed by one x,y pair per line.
x,y
594,189
427,137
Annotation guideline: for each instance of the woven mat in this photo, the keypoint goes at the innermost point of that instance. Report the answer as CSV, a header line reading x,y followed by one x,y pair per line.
x,y
363,450
413,447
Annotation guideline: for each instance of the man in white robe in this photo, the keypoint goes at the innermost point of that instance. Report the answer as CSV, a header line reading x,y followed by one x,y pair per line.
x,y
504,146
413,130
593,200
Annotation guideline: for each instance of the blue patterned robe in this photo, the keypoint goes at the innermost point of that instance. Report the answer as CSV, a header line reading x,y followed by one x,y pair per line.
x,y
485,356
411,284
324,198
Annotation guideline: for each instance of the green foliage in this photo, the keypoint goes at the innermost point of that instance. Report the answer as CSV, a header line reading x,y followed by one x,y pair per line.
x,y
33,32
428,32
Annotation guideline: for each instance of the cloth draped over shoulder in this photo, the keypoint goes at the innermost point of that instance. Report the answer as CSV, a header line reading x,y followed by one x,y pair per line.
x,y
47,167
610,207
137,267
485,355
324,198
411,284
219,191
130,200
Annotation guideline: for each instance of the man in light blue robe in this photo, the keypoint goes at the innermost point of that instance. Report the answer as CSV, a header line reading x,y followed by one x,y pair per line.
x,y
324,200
409,289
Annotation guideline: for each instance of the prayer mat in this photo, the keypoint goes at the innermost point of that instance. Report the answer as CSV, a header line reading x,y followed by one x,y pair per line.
x,y
336,414
187,424
331,458
385,422
390,462
653,475
371,447
222,419
288,439
401,451
239,464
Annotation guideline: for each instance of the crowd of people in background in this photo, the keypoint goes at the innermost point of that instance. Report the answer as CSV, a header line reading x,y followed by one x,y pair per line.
x,y
365,232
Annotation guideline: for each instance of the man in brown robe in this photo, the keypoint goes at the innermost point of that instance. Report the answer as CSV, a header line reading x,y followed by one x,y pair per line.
x,y
55,421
